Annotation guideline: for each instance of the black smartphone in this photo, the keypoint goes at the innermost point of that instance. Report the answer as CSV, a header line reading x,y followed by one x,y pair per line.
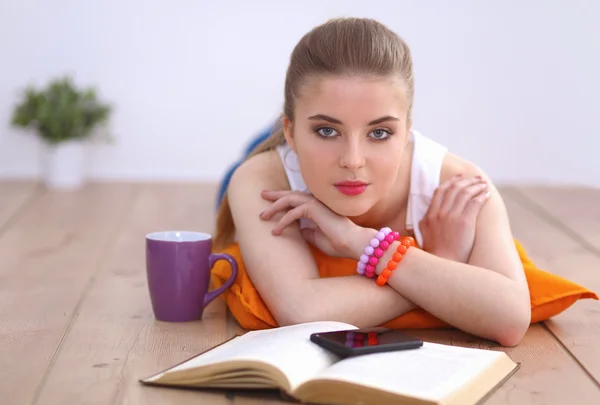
x,y
355,342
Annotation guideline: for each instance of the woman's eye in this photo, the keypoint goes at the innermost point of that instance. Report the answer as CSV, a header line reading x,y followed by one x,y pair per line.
x,y
327,131
380,134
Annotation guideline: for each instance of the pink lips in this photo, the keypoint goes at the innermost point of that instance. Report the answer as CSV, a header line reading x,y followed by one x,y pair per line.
x,y
351,187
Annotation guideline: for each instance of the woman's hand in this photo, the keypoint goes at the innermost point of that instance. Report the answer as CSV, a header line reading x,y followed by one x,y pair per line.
x,y
335,235
448,227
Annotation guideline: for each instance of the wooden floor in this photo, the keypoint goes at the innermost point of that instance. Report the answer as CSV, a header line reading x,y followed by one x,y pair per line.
x,y
76,326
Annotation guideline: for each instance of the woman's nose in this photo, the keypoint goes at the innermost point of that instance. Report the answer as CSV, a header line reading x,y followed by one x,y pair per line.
x,y
352,157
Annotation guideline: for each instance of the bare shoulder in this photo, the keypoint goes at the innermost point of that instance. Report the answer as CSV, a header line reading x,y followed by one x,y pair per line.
x,y
264,171
265,168
454,164
494,246
494,207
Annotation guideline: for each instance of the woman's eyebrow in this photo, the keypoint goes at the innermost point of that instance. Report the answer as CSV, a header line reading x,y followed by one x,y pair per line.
x,y
336,121
325,118
383,119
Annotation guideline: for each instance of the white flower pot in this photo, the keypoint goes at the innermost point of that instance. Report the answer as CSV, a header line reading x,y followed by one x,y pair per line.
x,y
65,165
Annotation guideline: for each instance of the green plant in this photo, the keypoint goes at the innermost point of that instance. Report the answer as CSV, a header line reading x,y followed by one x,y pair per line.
x,y
61,112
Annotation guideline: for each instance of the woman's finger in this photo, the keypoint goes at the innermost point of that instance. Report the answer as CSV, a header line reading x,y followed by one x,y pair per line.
x,y
285,202
458,189
273,195
290,217
473,206
466,195
438,196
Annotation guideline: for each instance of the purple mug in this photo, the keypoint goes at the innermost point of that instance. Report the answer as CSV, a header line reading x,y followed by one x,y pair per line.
x,y
178,265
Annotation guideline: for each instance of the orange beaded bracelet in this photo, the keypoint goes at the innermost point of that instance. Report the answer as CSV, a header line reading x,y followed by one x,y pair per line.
x,y
405,243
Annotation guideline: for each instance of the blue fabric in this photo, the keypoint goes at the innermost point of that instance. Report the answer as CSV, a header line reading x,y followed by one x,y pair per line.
x,y
257,140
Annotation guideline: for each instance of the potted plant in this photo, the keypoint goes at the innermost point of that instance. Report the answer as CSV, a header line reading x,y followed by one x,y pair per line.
x,y
64,117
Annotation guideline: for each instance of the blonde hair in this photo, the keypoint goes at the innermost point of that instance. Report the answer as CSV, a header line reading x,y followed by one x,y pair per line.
x,y
341,46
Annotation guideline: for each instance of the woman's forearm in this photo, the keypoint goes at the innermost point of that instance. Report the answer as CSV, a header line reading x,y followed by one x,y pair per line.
x,y
476,300
353,299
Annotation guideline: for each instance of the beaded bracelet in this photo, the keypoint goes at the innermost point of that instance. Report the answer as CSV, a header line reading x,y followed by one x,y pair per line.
x,y
377,246
405,243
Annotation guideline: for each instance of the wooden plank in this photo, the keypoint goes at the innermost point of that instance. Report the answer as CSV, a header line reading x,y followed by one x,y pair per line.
x,y
13,197
547,375
115,340
575,210
47,258
578,327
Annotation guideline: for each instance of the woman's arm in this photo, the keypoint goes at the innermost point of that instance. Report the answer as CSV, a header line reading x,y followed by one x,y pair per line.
x,y
488,296
282,267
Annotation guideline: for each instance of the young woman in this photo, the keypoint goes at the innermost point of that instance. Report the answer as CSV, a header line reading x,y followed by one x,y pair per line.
x,y
347,167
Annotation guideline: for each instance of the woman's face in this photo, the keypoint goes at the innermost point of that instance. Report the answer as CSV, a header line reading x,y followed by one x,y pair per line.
x,y
349,134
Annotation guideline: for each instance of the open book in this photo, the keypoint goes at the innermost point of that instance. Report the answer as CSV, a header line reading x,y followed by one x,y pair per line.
x,y
285,359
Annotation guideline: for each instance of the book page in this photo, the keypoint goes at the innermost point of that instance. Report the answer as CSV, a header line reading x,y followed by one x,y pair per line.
x,y
288,348
431,372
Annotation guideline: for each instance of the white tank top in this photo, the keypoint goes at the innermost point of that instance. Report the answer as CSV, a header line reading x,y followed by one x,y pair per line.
x,y
427,160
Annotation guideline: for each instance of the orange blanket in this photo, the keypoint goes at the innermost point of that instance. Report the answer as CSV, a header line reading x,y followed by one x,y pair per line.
x,y
550,294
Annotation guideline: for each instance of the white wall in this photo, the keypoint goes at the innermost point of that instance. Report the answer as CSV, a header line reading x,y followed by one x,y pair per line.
x,y
513,86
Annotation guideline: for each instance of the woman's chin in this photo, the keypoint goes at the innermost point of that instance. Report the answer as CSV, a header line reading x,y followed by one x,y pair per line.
x,y
350,208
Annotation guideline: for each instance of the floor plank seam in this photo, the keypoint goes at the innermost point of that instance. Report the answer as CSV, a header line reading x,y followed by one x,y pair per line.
x,y
546,215
568,352
38,191
119,392
88,286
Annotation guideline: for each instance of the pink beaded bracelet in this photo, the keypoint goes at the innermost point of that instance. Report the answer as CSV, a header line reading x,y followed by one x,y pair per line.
x,y
376,248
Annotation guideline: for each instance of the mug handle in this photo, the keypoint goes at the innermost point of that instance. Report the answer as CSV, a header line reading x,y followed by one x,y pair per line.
x,y
212,259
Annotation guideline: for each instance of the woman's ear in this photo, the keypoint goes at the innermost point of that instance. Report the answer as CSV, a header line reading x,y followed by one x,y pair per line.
x,y
288,132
